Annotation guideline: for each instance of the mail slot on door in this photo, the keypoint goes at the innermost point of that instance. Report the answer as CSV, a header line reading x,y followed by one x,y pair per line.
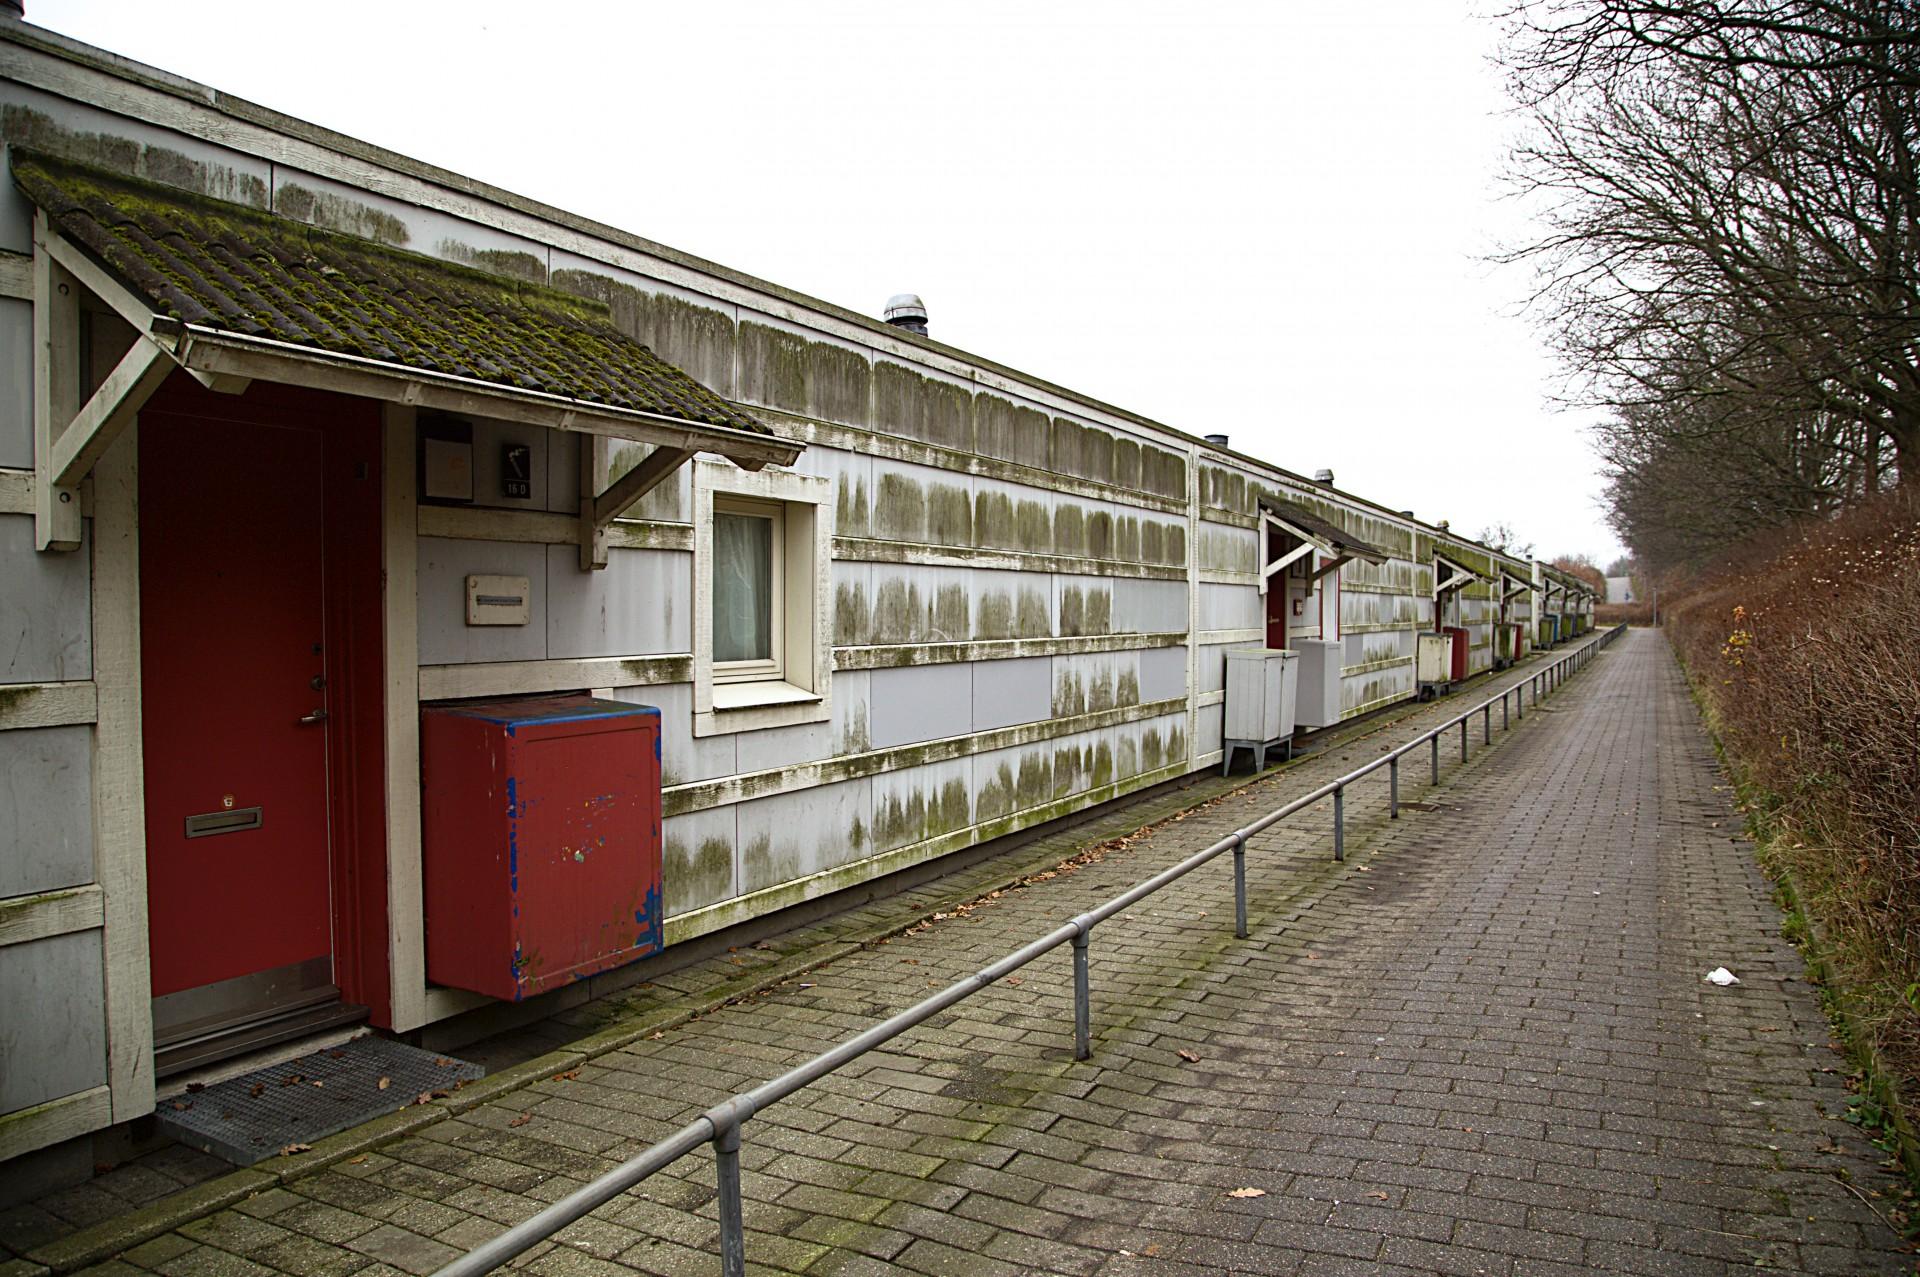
x,y
541,851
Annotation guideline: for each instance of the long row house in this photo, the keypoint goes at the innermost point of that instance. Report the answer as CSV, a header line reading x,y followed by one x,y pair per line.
x,y
376,546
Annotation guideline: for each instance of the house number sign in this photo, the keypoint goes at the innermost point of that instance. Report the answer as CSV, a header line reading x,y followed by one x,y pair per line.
x,y
516,470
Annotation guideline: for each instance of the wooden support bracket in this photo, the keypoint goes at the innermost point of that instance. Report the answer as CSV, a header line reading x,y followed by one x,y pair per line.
x,y
70,437
1331,565
599,509
101,419
1278,565
1457,577
56,384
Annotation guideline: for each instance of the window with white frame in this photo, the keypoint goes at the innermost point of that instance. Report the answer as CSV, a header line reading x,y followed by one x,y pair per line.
x,y
762,623
748,571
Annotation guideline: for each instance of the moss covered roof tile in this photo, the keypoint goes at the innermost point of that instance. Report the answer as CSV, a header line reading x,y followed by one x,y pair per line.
x,y
245,271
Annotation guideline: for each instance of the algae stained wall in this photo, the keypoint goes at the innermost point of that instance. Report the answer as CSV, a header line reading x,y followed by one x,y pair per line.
x,y
1030,593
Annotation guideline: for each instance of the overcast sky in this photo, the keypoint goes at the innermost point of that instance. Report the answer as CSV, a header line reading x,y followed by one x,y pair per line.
x,y
1268,220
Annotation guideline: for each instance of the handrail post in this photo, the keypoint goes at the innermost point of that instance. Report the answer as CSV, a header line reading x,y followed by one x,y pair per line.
x,y
733,1232
1463,740
1339,822
1082,999
1486,724
1434,740
1239,887
1393,788
1506,722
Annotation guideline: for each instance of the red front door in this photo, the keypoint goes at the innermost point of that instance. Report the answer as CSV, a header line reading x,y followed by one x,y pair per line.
x,y
234,699
1279,587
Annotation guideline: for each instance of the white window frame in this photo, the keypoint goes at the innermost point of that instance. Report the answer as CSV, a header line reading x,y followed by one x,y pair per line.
x,y
774,666
797,686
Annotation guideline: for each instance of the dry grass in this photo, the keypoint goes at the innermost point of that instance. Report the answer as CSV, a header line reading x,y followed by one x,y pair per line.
x,y
1608,615
1807,646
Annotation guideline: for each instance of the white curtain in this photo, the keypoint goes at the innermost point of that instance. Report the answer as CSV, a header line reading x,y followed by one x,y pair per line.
x,y
742,588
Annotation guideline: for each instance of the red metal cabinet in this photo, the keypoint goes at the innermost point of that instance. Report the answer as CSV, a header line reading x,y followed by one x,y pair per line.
x,y
1460,640
541,851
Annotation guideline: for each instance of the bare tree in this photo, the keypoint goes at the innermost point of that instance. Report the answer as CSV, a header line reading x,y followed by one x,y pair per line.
x,y
1730,260
1502,537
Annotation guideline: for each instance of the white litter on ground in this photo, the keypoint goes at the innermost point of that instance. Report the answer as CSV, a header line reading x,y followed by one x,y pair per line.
x,y
1722,977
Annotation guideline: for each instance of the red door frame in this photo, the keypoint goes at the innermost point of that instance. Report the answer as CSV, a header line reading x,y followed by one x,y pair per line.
x,y
354,601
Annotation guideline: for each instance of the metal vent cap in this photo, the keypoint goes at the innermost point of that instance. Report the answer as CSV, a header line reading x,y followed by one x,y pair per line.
x,y
906,310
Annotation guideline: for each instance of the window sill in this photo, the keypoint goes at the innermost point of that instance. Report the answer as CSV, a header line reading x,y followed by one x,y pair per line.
x,y
728,696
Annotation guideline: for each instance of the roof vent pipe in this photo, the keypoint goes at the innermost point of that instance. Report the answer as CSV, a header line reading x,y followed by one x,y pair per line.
x,y
904,310
1218,441
1323,476
13,9
1406,514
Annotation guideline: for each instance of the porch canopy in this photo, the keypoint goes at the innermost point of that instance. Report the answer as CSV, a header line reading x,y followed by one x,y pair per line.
x,y
1457,575
1315,534
233,293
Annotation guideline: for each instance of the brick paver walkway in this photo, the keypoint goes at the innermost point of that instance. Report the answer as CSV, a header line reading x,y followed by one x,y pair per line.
x,y
1481,1046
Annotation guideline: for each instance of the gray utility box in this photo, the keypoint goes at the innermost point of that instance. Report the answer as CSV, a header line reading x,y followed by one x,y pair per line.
x,y
1435,659
1320,663
1260,699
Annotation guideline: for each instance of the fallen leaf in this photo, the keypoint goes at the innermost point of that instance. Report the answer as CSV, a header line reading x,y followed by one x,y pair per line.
x,y
1248,1192
292,1079
1191,1057
1150,1251
291,1149
522,1120
257,1090
568,1076
355,1161
1378,1196
194,1088
182,1105
318,1082
1013,979
385,1082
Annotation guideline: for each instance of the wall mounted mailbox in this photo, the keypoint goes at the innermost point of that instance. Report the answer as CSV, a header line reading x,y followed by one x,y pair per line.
x,y
499,600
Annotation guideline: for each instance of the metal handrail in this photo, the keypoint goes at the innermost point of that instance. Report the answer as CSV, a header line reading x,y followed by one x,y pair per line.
x,y
721,1125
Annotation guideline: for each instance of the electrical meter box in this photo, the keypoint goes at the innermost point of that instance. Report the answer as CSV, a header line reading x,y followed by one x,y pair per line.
x,y
541,841
1261,687
1457,658
1433,666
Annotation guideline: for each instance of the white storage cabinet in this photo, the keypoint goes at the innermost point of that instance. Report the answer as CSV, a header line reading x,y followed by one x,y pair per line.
x,y
1260,702
1320,668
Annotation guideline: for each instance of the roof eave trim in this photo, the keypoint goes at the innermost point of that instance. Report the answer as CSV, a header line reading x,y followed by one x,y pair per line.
x,y
219,352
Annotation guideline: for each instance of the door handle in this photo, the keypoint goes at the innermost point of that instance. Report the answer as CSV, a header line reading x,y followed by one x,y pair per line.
x,y
318,716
